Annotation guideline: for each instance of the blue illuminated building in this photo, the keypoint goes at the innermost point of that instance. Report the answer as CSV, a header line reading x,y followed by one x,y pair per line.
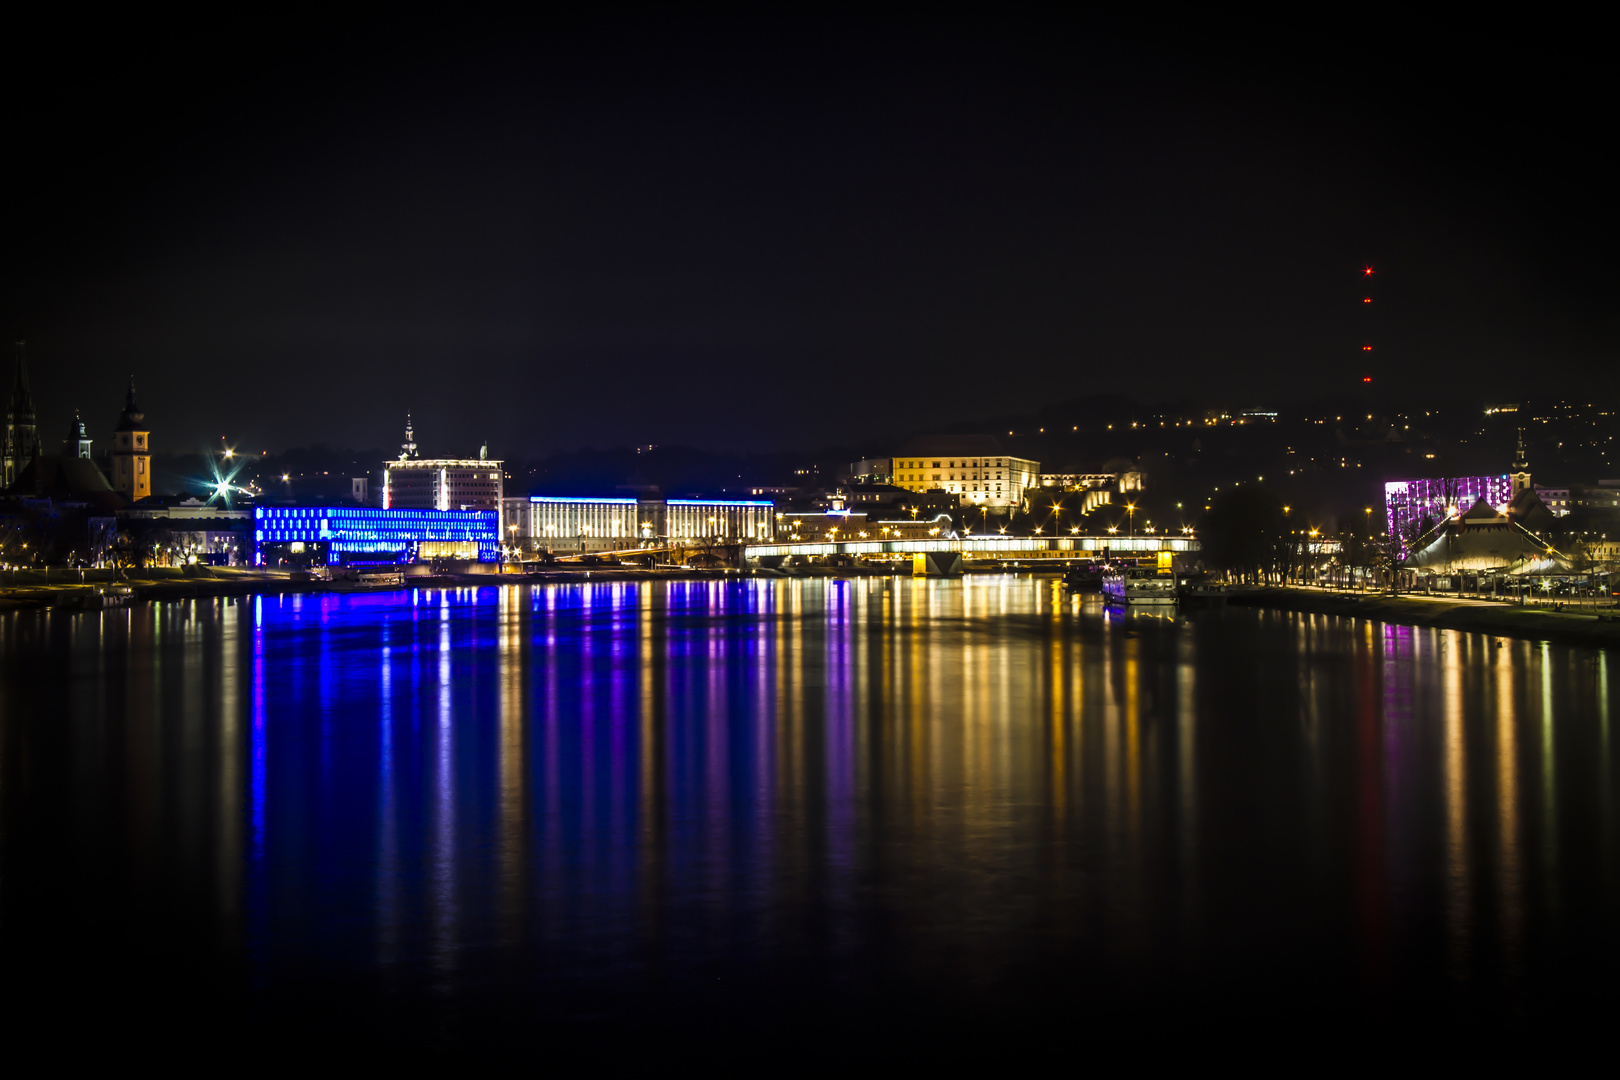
x,y
361,535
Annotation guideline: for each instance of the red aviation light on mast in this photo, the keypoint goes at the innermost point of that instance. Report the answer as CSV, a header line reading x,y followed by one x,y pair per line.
x,y
1367,271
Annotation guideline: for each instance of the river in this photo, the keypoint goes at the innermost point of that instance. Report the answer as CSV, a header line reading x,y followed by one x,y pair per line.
x,y
893,810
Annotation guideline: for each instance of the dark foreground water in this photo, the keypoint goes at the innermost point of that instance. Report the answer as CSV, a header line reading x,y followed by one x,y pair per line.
x,y
920,816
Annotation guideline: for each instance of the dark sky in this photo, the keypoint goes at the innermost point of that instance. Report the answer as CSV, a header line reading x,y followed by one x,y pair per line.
x,y
767,234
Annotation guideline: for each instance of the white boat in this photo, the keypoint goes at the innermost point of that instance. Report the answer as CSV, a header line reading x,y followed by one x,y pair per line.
x,y
1139,585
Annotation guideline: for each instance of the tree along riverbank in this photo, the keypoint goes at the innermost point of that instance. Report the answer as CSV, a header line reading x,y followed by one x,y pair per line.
x,y
1470,616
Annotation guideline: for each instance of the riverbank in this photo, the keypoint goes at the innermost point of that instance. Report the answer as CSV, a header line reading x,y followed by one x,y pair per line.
x,y
76,590
1470,616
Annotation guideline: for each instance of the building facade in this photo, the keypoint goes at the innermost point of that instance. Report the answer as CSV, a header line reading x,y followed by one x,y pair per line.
x,y
1555,499
132,451
563,523
822,526
719,519
443,484
19,442
367,536
1408,502
416,483
975,468
190,530
573,523
871,471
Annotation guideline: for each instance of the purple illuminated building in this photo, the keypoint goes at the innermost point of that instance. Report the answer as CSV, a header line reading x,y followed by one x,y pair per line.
x,y
1408,502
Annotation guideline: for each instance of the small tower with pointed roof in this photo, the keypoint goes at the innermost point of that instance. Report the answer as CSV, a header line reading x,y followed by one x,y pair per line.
x,y
1521,469
77,443
132,451
407,449
19,444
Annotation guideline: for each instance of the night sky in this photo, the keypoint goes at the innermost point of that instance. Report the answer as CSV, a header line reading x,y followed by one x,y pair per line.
x,y
751,235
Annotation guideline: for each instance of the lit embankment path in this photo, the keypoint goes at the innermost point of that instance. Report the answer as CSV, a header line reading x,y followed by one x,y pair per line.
x,y
47,587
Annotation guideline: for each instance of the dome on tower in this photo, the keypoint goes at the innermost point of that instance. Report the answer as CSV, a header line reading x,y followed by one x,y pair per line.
x,y
132,419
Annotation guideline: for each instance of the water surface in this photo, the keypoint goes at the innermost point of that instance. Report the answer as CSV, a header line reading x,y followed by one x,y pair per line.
x,y
908,810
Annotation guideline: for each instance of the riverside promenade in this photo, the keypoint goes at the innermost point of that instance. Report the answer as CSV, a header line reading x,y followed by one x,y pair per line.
x,y
1599,627
80,589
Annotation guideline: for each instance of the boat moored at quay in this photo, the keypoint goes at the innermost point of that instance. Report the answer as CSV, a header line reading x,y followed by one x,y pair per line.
x,y
1139,585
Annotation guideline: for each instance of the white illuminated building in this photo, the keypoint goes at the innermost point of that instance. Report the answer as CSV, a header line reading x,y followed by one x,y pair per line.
x,y
570,523
719,519
413,483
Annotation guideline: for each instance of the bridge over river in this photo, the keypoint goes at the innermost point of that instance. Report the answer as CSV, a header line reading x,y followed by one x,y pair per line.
x,y
968,548
987,547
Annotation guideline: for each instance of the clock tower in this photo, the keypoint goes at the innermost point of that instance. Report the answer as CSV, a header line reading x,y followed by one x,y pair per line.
x,y
132,451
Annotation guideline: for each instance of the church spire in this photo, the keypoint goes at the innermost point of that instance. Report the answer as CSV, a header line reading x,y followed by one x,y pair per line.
x,y
77,443
19,441
22,396
131,419
407,449
1521,468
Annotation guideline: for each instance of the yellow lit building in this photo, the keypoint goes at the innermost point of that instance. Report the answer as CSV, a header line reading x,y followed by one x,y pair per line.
x,y
976,468
132,451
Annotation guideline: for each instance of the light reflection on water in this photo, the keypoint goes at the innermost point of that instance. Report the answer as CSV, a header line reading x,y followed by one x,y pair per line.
x,y
976,795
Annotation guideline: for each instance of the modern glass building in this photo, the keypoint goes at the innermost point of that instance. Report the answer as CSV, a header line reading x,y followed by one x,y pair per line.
x,y
363,535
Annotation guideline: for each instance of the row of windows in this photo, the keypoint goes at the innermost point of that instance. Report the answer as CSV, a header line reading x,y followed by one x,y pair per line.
x,y
369,512
907,477
967,463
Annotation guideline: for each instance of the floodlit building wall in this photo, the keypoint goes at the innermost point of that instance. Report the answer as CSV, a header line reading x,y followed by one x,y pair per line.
x,y
560,523
989,481
719,519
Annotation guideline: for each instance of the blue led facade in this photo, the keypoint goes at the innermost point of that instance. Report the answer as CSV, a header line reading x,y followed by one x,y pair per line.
x,y
362,534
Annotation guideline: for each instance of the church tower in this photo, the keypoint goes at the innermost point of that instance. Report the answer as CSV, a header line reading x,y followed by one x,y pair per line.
x,y
407,449
20,442
77,443
132,451
1521,469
